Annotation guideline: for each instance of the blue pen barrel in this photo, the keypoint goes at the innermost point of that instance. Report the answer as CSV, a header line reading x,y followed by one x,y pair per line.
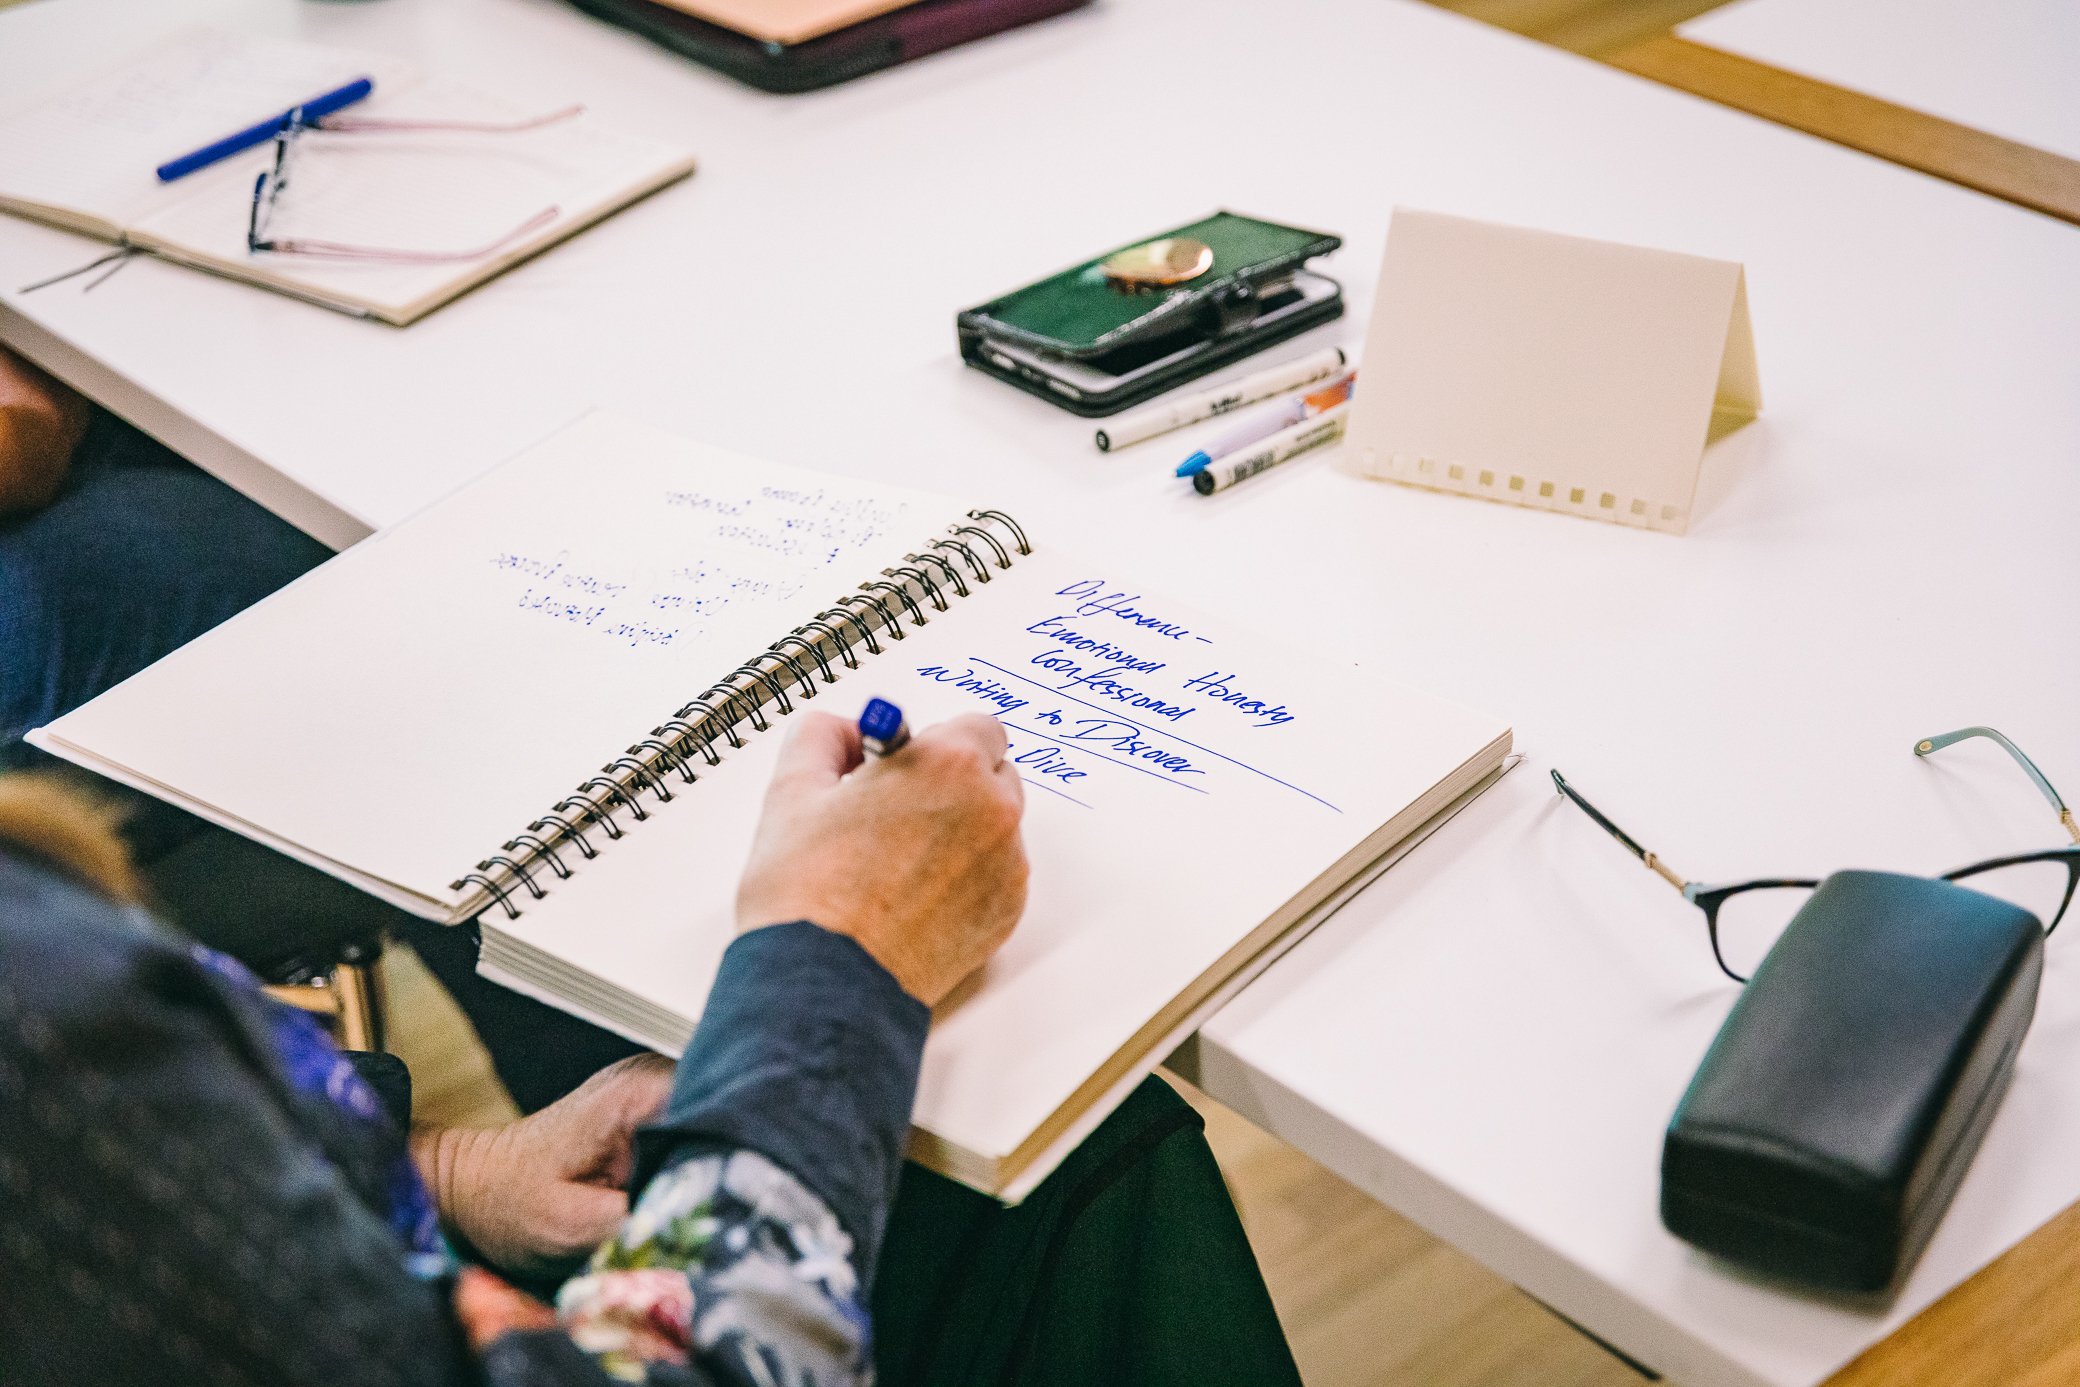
x,y
317,108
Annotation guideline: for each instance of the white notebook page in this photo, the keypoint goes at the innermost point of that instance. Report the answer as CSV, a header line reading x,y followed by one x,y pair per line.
x,y
1185,780
94,148
415,702
419,192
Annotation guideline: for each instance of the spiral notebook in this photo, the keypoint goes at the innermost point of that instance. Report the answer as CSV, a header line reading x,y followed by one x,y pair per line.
x,y
554,698
455,187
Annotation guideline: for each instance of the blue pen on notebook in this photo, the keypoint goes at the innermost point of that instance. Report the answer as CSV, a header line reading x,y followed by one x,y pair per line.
x,y
882,730
311,110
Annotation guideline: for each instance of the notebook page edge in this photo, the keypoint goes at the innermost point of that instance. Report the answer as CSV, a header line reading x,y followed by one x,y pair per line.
x,y
528,987
63,218
173,254
1016,1175
446,912
668,165
405,314
680,168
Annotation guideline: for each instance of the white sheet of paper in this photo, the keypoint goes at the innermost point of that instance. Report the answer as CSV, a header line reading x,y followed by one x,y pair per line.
x,y
412,704
450,193
95,148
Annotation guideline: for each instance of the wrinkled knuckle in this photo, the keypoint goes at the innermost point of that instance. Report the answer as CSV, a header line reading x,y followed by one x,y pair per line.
x,y
961,760
936,753
1001,817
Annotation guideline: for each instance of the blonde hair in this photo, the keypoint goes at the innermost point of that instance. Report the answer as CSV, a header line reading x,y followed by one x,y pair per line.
x,y
70,829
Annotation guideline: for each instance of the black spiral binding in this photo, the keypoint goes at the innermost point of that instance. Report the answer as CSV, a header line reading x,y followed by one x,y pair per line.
x,y
784,673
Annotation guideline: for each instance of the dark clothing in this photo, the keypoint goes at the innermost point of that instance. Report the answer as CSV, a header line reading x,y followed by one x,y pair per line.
x,y
180,1208
1127,1267
175,1210
140,553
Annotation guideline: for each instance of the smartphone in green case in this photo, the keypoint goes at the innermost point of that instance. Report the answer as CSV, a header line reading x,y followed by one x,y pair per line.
x,y
1084,340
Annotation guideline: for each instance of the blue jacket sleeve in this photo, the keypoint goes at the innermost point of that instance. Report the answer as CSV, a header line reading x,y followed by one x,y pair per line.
x,y
807,1054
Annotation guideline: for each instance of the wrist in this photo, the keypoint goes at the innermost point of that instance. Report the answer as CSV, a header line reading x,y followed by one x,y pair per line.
x,y
451,1161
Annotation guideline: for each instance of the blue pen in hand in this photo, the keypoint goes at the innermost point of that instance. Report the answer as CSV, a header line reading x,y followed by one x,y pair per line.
x,y
312,110
882,730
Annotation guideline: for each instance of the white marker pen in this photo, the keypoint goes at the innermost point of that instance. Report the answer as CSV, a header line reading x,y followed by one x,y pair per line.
x,y
1205,404
1325,427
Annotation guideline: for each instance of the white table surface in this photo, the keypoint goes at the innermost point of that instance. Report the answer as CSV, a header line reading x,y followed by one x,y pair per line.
x,y
2008,67
1492,1038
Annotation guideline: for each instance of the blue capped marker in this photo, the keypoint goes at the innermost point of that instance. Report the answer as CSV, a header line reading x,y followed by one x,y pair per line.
x,y
1261,424
882,730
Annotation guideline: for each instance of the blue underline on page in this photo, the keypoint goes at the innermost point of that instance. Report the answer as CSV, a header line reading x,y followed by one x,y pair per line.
x,y
1157,732
1052,791
1108,760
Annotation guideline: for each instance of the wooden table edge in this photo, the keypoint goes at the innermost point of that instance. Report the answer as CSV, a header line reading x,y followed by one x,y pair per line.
x,y
2015,1323
2019,173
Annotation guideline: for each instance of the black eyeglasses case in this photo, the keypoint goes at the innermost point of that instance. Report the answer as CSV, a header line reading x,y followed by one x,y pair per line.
x,y
1846,1093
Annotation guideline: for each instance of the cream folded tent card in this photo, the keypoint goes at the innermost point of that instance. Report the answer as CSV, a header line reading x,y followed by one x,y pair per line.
x,y
1550,371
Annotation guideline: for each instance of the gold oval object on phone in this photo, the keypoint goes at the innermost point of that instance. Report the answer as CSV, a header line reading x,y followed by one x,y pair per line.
x,y
1155,264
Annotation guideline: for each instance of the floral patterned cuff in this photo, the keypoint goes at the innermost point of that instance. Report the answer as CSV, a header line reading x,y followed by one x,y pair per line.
x,y
729,1262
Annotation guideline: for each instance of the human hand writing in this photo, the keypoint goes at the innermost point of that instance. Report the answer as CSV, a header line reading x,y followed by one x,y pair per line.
x,y
539,1193
917,856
